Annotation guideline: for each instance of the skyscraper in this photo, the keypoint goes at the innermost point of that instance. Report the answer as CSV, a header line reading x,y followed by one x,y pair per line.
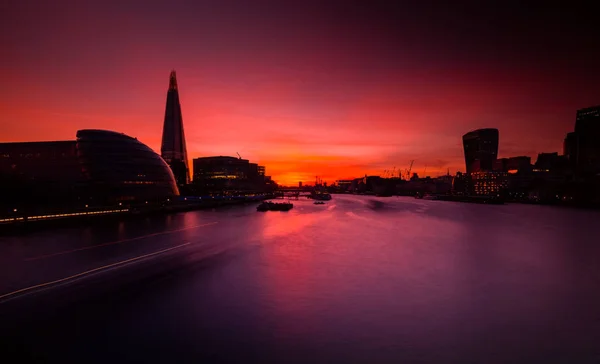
x,y
173,149
587,130
481,149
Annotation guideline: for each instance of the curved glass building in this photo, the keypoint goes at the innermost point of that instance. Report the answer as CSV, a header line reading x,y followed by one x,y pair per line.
x,y
119,167
100,168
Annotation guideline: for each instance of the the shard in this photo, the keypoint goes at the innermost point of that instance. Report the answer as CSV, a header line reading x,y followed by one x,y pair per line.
x,y
173,149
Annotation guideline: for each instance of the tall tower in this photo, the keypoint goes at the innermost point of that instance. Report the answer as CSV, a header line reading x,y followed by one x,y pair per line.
x,y
173,149
481,149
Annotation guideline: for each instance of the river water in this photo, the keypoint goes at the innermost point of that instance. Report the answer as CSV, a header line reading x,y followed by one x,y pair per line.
x,y
358,280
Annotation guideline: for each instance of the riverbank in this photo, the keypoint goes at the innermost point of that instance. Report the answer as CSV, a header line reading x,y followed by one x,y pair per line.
x,y
55,217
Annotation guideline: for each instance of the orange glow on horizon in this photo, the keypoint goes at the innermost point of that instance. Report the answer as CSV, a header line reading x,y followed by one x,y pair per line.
x,y
296,140
303,90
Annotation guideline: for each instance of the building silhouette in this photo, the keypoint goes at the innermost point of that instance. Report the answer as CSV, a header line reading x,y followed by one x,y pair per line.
x,y
587,130
570,148
100,168
481,150
513,165
173,149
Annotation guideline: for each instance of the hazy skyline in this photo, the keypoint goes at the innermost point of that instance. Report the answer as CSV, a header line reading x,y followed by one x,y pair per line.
x,y
337,90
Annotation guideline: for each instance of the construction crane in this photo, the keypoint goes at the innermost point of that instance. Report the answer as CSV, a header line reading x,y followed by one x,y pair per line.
x,y
409,169
238,155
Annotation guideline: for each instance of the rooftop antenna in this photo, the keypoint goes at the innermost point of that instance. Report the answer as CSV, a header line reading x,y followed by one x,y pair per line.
x,y
238,155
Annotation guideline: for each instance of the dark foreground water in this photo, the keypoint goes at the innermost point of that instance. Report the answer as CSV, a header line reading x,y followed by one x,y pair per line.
x,y
357,280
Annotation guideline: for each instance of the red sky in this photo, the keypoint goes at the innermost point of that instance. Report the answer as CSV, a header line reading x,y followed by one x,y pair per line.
x,y
336,90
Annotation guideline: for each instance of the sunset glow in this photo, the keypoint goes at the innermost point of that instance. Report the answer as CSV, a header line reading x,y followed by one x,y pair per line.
x,y
301,90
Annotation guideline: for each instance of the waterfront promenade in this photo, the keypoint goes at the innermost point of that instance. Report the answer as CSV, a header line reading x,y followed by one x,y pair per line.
x,y
359,279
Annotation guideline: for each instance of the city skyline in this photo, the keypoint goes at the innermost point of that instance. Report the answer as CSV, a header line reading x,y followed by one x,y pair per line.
x,y
359,91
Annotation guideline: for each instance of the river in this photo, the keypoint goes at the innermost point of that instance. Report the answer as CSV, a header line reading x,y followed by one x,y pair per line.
x,y
358,280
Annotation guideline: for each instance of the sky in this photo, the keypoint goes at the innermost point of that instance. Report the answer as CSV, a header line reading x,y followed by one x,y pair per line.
x,y
335,89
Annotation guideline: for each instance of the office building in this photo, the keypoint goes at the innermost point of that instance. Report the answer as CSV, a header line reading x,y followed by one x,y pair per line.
x,y
223,173
587,130
173,149
550,162
481,149
487,184
344,184
220,167
512,165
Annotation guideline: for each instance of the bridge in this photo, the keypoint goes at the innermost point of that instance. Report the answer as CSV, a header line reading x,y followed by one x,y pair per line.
x,y
293,194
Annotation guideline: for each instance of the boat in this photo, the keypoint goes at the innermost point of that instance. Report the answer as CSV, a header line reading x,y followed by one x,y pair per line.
x,y
272,206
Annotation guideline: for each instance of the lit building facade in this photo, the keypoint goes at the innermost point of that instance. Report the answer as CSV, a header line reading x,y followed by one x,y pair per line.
x,y
222,173
173,149
481,149
487,184
221,168
344,184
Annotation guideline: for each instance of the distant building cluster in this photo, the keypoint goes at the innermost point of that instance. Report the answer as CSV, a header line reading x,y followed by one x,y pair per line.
x,y
573,176
380,186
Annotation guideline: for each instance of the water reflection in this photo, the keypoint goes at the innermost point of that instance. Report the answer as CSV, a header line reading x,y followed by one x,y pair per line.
x,y
409,280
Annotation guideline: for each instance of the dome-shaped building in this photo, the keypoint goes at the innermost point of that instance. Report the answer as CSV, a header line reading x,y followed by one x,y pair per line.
x,y
100,169
119,167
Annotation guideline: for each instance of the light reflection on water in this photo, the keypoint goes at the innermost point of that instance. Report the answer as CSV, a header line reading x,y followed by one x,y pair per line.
x,y
366,279
433,274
